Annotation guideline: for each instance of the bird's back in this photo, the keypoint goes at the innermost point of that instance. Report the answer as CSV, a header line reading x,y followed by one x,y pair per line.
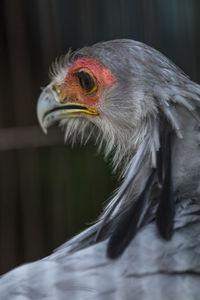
x,y
150,268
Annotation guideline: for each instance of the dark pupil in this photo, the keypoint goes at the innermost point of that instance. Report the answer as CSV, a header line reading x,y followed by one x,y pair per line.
x,y
86,81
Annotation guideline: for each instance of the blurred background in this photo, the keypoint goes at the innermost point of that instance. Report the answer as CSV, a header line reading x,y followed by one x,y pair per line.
x,y
48,191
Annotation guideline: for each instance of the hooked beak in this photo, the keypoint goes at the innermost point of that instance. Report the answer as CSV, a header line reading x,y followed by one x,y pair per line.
x,y
51,109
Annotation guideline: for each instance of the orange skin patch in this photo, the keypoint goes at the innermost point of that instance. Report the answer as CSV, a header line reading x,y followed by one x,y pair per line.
x,y
72,90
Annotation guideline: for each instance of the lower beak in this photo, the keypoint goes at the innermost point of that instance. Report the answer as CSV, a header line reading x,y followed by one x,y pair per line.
x,y
50,108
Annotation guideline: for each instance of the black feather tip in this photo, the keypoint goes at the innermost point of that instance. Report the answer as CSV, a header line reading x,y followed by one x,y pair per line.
x,y
166,208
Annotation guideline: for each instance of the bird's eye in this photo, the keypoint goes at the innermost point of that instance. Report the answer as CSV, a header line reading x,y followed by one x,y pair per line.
x,y
86,81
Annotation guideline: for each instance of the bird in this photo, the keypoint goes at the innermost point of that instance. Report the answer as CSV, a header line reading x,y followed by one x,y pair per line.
x,y
142,111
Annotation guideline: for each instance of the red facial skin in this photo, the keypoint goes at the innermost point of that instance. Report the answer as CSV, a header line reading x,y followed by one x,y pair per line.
x,y
72,90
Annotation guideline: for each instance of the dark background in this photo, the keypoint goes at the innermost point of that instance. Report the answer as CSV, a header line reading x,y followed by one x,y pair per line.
x,y
49,192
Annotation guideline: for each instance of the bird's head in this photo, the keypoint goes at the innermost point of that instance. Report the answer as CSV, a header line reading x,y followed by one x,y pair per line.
x,y
104,91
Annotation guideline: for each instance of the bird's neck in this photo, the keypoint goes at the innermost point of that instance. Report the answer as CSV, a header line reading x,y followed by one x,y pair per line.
x,y
186,158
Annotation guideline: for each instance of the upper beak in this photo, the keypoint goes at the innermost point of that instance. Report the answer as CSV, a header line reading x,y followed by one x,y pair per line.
x,y
50,108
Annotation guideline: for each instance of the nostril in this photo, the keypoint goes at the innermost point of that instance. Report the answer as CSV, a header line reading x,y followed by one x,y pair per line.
x,y
57,93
